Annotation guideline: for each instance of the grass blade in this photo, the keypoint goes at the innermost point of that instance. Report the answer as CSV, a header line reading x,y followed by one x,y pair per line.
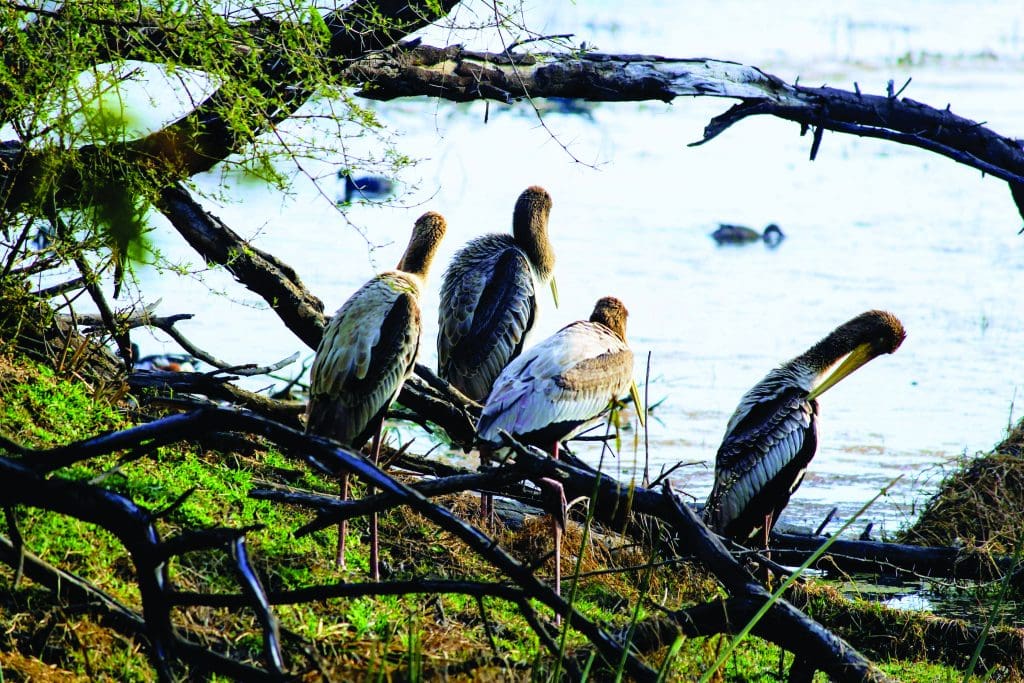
x,y
994,611
738,638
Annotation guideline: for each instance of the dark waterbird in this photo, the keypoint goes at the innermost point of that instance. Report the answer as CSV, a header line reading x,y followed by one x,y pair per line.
x,y
367,187
558,388
489,297
773,434
168,362
367,352
728,233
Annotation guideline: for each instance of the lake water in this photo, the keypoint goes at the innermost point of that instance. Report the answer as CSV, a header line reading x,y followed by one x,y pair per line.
x,y
869,225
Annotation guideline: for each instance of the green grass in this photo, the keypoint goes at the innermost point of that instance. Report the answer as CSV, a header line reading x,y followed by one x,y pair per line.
x,y
359,638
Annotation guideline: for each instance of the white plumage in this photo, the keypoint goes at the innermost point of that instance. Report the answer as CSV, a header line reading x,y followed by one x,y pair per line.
x,y
555,389
568,380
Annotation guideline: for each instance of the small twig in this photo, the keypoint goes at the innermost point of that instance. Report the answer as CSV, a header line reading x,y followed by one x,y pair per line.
x,y
58,289
553,36
488,631
819,131
253,589
900,91
118,332
11,514
824,522
175,504
664,474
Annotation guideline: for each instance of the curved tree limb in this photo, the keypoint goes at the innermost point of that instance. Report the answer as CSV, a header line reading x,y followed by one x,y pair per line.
x,y
461,75
322,454
259,271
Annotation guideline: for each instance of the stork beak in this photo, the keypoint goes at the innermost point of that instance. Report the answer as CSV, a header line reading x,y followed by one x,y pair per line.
x,y
641,409
858,357
554,291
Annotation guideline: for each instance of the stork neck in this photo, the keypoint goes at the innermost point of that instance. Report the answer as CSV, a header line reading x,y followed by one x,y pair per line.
x,y
828,351
530,230
613,319
426,238
417,261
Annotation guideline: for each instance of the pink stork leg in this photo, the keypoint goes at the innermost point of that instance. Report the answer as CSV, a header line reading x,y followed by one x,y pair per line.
x,y
557,521
343,526
486,499
374,547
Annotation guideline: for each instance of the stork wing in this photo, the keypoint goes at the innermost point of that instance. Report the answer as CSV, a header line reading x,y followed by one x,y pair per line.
x,y
761,462
558,385
367,352
488,305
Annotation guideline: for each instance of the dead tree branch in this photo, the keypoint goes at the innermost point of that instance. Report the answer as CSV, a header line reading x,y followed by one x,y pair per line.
x,y
460,75
613,501
131,524
259,271
893,559
218,388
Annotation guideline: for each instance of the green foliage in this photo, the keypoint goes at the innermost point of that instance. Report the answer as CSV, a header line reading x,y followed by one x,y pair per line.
x,y
50,411
88,89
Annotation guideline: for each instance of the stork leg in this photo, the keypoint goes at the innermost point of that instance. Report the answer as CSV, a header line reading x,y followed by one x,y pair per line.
x,y
558,521
374,547
343,526
556,501
486,499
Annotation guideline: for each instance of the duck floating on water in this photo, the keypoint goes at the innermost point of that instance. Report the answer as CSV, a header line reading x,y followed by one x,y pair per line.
x,y
167,362
728,233
366,187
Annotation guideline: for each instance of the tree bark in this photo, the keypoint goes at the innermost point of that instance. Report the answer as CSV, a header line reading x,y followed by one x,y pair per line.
x,y
461,75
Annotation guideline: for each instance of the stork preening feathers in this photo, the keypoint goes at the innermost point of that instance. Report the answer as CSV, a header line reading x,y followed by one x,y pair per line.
x,y
773,434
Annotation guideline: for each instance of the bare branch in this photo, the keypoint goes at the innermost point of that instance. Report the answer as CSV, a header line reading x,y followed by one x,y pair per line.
x,y
461,75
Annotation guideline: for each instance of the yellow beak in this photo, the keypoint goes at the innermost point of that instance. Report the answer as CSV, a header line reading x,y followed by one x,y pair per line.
x,y
641,409
858,357
554,291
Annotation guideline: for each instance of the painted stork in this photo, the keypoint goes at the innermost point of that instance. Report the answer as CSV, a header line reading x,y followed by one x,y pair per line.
x,y
773,434
558,388
367,352
489,297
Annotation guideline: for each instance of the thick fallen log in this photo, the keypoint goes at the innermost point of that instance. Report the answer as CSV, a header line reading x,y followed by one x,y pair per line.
x,y
890,559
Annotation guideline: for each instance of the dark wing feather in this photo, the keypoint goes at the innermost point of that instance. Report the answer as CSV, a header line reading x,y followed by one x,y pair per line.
x,y
761,462
347,406
488,307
